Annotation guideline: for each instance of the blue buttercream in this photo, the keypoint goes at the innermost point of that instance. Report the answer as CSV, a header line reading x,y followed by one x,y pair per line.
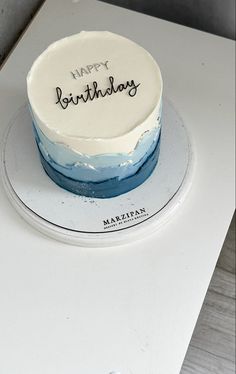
x,y
107,188
99,167
99,176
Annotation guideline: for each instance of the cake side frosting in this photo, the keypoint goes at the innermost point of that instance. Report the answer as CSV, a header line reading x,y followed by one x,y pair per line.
x,y
96,168
107,188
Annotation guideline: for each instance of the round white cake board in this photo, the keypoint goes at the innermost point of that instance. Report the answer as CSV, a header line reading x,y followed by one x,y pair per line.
x,y
93,222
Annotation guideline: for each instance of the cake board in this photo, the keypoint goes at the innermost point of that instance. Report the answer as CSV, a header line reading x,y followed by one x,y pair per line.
x,y
90,222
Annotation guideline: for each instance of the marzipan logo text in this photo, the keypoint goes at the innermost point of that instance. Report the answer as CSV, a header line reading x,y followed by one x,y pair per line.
x,y
119,220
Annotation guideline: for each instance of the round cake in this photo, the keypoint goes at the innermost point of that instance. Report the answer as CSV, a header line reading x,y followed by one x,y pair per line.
x,y
95,99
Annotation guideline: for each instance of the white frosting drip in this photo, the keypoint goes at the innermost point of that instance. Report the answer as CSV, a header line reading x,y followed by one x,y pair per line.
x,y
112,124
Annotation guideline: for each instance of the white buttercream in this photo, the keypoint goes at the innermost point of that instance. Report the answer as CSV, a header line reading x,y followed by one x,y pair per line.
x,y
113,124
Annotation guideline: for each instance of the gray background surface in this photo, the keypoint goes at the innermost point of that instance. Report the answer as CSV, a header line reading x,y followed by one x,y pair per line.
x,y
14,17
215,16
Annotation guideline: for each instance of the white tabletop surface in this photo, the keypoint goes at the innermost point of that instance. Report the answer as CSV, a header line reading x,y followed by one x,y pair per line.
x,y
130,309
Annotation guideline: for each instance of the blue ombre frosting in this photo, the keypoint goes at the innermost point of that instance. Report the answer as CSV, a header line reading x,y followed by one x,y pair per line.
x,y
108,188
101,176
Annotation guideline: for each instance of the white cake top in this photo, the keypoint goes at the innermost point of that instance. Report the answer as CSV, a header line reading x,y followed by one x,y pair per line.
x,y
95,91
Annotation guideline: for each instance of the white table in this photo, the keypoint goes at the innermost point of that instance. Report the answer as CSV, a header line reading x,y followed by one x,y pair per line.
x,y
130,309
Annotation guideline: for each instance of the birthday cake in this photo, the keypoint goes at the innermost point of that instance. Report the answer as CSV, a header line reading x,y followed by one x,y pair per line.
x,y
95,100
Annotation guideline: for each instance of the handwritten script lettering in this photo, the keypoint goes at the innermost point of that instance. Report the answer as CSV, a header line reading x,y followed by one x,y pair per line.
x,y
93,92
